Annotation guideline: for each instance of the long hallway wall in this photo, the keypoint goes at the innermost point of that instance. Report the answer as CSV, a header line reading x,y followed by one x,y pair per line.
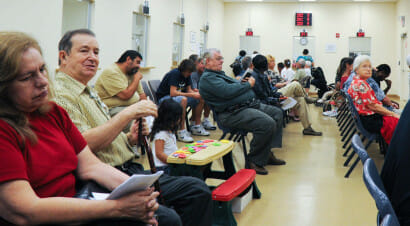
x,y
273,22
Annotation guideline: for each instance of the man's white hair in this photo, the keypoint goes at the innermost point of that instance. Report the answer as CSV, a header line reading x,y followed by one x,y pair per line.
x,y
209,53
302,63
359,60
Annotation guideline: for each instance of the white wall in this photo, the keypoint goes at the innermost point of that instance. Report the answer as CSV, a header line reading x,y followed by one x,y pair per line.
x,y
403,9
274,22
41,19
113,27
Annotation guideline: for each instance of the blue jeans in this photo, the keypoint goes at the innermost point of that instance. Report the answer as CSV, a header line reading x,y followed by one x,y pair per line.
x,y
192,102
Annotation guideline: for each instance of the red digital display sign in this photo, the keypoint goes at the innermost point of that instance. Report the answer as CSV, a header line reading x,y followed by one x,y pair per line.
x,y
303,19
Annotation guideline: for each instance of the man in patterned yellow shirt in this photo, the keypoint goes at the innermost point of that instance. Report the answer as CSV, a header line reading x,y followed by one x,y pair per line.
x,y
78,58
119,84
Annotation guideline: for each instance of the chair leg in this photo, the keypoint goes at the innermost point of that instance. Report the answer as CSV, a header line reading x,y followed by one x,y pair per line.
x,y
347,132
349,158
349,138
223,136
347,150
245,152
352,167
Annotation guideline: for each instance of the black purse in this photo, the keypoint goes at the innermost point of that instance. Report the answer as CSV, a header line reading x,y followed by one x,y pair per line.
x,y
85,189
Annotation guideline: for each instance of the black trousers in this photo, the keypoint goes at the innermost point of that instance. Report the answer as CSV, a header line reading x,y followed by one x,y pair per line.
x,y
188,197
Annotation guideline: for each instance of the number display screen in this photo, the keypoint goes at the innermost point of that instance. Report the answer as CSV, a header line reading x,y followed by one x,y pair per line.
x,y
303,19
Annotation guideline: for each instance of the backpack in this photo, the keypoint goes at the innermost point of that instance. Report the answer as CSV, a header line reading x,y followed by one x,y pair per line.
x,y
319,81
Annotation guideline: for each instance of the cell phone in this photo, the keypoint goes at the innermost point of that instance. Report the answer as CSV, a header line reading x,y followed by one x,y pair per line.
x,y
246,75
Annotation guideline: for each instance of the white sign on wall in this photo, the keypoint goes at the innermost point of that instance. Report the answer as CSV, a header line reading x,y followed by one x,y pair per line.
x,y
330,48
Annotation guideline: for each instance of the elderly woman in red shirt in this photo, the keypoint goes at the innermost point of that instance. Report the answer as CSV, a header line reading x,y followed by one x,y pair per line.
x,y
375,118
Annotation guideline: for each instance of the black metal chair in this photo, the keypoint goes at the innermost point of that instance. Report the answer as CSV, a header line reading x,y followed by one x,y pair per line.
x,y
147,90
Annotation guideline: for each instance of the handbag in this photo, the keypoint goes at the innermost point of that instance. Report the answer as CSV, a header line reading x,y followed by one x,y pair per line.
x,y
85,189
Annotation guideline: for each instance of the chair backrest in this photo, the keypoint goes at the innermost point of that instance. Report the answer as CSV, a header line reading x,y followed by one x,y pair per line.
x,y
359,148
390,220
375,186
147,90
154,85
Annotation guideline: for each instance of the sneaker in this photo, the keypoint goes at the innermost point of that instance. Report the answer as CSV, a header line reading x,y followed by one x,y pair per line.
x,y
327,113
208,125
333,113
310,131
199,130
184,136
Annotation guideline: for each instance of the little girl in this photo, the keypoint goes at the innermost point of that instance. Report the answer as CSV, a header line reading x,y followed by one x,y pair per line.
x,y
163,133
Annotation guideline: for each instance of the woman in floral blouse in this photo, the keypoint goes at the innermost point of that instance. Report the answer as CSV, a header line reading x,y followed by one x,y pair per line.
x,y
374,116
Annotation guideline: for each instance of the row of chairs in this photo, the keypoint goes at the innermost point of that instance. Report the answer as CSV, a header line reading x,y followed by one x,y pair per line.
x,y
349,124
353,135
386,215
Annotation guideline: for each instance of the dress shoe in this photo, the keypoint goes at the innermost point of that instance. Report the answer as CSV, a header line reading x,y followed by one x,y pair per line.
x,y
310,100
258,169
275,161
310,131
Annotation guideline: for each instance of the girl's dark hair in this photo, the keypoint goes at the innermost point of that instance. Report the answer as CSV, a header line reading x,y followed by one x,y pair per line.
x,y
287,63
281,65
169,117
342,66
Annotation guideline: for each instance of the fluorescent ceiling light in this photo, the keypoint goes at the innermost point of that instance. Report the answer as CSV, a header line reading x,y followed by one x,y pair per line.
x,y
307,0
254,0
361,0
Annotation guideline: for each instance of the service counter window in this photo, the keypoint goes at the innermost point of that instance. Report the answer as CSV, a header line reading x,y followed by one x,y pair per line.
x,y
140,26
177,44
203,42
77,14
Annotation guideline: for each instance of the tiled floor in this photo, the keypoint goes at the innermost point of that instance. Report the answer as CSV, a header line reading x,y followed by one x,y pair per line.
x,y
310,189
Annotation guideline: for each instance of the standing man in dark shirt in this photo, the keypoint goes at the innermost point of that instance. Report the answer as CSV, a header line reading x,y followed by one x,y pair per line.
x,y
237,108
176,85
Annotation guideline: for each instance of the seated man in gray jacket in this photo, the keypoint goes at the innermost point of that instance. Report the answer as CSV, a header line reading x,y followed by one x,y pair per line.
x,y
237,108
